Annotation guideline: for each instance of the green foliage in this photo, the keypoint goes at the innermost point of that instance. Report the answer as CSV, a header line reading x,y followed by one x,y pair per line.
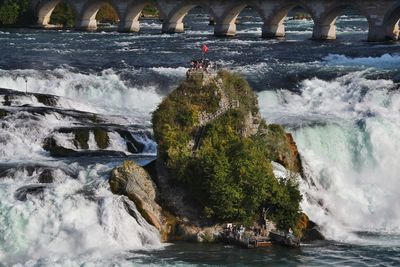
x,y
284,204
150,10
9,12
64,15
14,12
107,14
229,176
275,141
177,119
237,88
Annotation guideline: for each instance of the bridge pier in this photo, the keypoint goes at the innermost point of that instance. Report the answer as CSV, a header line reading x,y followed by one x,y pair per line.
x,y
382,33
273,30
324,32
225,30
129,26
173,27
43,21
382,16
87,24
395,32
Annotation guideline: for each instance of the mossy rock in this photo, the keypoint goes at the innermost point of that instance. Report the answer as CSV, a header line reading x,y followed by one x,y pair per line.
x,y
281,147
95,119
101,137
7,100
133,181
132,144
223,158
48,100
307,230
46,177
3,113
55,150
81,138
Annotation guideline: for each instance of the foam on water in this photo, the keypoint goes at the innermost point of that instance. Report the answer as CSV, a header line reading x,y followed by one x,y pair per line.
x,y
347,131
21,137
51,229
106,91
171,72
385,61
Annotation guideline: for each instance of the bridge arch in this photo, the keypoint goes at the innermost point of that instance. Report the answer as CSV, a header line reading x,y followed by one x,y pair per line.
x,y
391,23
174,20
45,10
227,22
325,28
87,17
130,20
274,24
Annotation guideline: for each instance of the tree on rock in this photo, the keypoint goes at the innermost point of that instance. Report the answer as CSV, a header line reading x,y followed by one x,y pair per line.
x,y
215,144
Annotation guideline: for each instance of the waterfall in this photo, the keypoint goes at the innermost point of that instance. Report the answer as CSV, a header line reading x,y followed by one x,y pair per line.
x,y
347,131
74,217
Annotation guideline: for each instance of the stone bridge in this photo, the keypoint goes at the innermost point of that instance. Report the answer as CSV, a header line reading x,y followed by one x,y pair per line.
x,y
382,15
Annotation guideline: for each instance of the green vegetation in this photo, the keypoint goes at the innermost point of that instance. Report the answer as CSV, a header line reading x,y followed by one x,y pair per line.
x,y
15,12
302,16
229,176
107,14
150,10
63,15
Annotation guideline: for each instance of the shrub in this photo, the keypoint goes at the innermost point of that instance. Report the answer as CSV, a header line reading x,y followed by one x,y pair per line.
x,y
150,10
107,14
15,12
64,15
229,176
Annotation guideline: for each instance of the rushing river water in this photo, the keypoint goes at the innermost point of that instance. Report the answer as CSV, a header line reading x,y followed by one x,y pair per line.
x,y
340,99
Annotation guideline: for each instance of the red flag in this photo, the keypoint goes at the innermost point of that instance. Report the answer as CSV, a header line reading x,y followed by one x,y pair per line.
x,y
204,48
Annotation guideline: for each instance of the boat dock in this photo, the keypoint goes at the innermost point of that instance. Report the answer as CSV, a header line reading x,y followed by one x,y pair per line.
x,y
248,242
286,239
254,239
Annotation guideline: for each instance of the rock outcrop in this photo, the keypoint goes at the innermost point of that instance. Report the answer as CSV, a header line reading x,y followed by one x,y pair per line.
x,y
78,138
309,231
215,145
134,182
213,164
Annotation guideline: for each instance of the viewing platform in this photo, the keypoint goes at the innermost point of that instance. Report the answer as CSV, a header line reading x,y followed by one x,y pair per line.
x,y
257,239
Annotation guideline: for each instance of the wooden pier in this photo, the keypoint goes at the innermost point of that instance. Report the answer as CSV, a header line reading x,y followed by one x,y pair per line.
x,y
247,241
285,239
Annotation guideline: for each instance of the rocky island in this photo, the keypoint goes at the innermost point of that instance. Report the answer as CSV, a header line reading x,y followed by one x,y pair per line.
x,y
215,164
